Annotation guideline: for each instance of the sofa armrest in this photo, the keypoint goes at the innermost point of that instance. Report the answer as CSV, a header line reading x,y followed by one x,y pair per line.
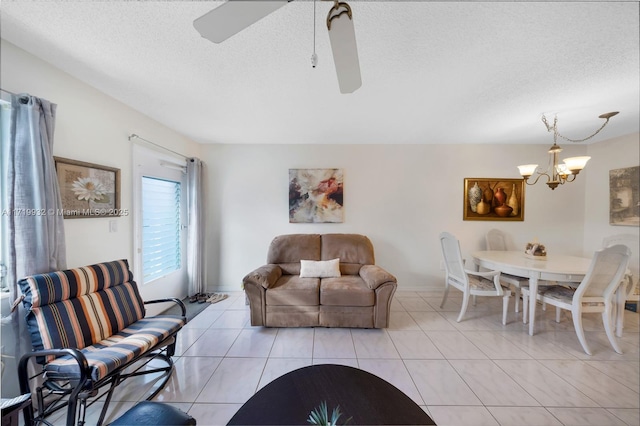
x,y
265,276
374,276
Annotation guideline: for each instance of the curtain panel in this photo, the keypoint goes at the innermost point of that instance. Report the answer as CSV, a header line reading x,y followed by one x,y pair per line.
x,y
32,225
195,238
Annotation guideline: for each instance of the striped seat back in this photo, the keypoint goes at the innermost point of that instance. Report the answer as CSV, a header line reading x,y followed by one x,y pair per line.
x,y
78,307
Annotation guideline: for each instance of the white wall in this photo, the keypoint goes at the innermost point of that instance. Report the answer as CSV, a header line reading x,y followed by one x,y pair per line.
x,y
616,153
92,127
401,196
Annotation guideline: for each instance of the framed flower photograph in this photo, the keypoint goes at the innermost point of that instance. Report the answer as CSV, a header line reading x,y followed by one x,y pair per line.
x,y
88,190
498,199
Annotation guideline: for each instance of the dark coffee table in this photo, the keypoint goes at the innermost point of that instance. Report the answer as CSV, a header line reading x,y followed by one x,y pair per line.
x,y
363,397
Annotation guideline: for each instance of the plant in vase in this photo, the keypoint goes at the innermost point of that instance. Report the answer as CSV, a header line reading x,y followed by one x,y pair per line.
x,y
320,416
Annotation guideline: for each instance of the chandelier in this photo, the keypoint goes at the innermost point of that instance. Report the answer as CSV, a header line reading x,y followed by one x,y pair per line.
x,y
558,174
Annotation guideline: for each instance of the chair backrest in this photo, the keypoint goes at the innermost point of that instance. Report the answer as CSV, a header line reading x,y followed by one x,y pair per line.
x,y
78,307
605,273
453,263
630,241
496,240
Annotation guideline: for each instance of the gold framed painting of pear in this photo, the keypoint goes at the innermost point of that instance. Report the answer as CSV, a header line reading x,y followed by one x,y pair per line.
x,y
498,199
88,190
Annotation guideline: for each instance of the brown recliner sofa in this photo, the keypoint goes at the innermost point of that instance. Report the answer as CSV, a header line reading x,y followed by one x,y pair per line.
x,y
360,297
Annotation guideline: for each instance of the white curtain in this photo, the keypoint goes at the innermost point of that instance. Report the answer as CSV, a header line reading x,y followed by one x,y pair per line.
x,y
32,230
195,238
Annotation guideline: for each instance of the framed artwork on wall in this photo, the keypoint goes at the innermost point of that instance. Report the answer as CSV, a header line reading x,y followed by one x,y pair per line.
x,y
316,196
624,201
493,199
88,190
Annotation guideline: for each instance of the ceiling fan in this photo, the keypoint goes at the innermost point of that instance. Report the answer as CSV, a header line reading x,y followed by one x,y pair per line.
x,y
235,15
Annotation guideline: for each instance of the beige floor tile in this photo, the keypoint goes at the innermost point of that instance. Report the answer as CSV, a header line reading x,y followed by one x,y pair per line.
x,y
544,385
440,384
601,388
523,416
585,417
414,345
491,384
374,343
293,343
234,381
462,416
213,414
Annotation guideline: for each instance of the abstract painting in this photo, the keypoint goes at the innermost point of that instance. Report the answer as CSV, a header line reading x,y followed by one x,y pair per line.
x,y
316,195
624,202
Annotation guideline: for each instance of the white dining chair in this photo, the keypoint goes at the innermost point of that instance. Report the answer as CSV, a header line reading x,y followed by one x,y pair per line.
x,y
633,270
595,293
630,241
470,283
497,239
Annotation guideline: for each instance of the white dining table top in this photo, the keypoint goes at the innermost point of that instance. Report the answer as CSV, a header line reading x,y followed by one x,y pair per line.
x,y
554,263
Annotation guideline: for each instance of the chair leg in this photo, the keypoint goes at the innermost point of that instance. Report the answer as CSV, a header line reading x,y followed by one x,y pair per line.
x,y
446,293
517,291
525,307
475,300
608,327
558,313
465,304
577,324
505,308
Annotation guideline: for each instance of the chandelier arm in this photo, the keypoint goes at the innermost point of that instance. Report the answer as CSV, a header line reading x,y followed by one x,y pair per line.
x,y
537,178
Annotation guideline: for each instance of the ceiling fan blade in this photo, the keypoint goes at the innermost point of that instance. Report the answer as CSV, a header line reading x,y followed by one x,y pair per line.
x,y
234,16
345,50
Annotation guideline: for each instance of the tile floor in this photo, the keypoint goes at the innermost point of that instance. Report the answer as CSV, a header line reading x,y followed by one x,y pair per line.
x,y
476,372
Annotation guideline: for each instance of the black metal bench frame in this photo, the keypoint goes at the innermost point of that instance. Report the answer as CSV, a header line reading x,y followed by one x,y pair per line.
x,y
55,394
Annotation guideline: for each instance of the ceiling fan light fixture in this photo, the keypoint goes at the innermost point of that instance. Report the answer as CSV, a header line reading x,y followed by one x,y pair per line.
x,y
342,36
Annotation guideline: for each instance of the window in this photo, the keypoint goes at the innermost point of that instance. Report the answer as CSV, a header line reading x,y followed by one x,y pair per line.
x,y
161,248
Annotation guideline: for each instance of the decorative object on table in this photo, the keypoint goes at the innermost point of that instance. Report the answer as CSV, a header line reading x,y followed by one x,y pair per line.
x,y
502,199
316,195
87,189
558,174
475,196
320,416
624,196
535,250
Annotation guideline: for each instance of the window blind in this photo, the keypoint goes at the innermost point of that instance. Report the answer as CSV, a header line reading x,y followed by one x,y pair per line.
x,y
161,251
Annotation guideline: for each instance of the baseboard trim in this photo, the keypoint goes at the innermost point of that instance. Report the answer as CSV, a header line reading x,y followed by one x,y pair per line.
x,y
401,288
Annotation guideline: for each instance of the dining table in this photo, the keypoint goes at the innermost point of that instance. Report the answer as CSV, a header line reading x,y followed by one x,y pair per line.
x,y
561,268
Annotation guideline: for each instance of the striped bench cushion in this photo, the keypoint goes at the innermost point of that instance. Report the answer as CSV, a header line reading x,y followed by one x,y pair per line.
x,y
118,349
80,307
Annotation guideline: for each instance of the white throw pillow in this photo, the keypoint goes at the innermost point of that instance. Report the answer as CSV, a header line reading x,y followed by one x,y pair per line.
x,y
320,268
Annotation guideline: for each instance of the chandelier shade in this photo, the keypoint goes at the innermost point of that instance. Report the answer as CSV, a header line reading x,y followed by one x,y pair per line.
x,y
559,173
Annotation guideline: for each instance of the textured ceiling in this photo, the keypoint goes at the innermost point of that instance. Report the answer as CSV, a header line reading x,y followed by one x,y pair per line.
x,y
432,72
